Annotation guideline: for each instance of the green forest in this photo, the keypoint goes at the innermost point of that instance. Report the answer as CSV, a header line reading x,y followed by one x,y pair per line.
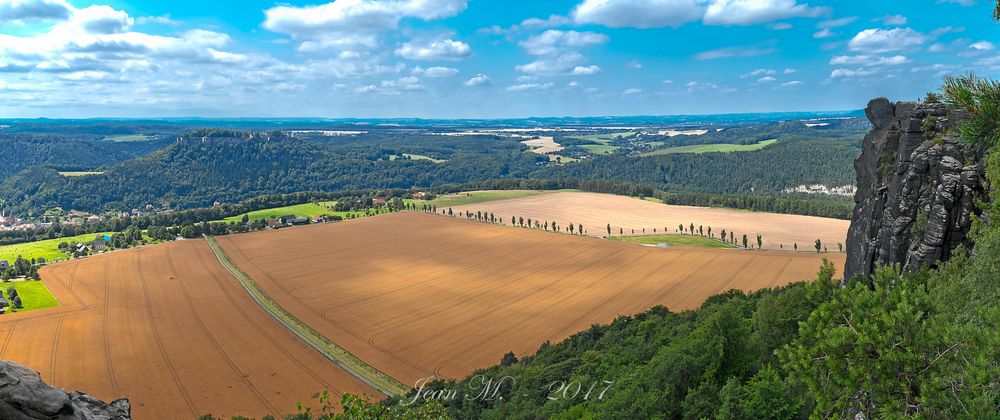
x,y
228,166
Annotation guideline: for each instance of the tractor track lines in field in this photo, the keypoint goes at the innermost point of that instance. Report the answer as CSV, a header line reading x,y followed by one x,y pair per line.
x,y
159,342
215,343
6,340
691,269
491,308
261,331
725,286
55,348
788,261
392,354
106,326
565,298
69,288
416,294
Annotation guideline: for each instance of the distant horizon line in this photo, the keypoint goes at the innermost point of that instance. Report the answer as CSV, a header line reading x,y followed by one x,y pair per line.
x,y
848,112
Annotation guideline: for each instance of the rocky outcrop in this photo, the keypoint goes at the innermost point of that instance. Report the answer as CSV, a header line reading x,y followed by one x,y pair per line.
x,y
23,396
917,188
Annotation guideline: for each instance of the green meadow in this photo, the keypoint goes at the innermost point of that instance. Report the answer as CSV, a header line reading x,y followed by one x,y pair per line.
x,y
48,249
712,148
473,197
34,294
674,240
297,210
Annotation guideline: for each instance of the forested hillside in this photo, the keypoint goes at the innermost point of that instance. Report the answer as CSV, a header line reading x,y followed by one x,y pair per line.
x,y
20,151
769,170
197,173
203,170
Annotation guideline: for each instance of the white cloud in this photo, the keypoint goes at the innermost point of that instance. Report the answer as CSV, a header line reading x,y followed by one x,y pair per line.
x,y
529,86
868,60
560,65
366,88
34,10
351,23
668,82
894,20
634,65
479,80
355,41
792,83
159,20
836,23
846,73
737,51
789,71
102,20
551,21
759,72
947,30
782,26
527,24
552,41
700,86
435,72
350,15
824,33
86,75
766,79
585,70
877,41
632,91
750,12
960,2
444,49
982,46
637,13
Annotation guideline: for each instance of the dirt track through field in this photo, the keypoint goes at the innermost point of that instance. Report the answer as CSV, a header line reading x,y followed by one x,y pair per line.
x,y
167,327
418,295
595,211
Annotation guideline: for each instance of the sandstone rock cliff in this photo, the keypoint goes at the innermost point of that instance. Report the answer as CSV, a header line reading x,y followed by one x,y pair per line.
x,y
917,188
23,396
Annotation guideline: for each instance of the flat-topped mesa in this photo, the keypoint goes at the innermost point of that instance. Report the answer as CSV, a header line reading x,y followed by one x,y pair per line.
x,y
917,188
23,396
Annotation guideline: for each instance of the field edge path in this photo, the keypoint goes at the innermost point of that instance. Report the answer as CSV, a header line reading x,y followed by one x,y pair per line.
x,y
353,364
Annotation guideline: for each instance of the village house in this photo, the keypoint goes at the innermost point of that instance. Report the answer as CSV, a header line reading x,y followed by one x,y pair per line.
x,y
378,202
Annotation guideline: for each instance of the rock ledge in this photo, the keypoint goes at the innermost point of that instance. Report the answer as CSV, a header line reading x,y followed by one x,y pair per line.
x,y
23,396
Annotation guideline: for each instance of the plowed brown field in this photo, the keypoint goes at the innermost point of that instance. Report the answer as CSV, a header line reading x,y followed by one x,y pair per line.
x,y
169,328
595,211
419,295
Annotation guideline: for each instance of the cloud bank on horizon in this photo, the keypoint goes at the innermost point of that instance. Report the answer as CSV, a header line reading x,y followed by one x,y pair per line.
x,y
479,59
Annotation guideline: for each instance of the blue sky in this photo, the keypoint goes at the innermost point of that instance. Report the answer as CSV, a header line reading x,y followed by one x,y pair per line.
x,y
480,58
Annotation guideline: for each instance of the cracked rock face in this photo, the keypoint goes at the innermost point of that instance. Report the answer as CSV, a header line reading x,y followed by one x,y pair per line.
x,y
917,188
23,396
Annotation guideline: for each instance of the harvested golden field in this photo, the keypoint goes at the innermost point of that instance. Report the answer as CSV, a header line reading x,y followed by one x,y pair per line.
x,y
169,328
543,145
595,211
418,295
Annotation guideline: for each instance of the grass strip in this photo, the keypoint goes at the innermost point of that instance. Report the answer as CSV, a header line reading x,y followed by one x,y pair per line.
x,y
353,364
